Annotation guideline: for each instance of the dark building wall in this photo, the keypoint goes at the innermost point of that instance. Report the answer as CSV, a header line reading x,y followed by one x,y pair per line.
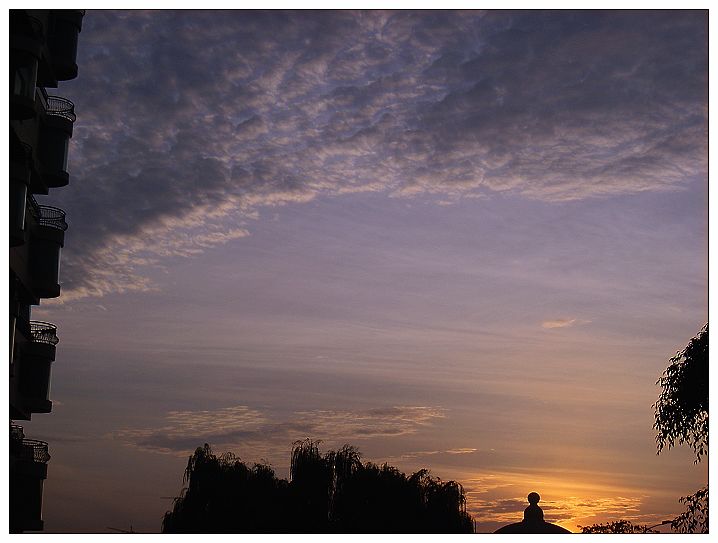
x,y
43,46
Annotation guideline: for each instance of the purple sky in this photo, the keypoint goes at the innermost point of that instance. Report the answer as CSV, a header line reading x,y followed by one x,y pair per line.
x,y
463,241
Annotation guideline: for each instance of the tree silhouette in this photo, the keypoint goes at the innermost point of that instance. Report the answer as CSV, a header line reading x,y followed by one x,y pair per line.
x,y
681,414
681,410
334,493
695,517
617,527
224,495
311,476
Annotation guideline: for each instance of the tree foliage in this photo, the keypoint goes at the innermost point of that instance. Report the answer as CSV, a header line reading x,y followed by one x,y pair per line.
x,y
222,493
695,518
682,416
330,493
617,527
681,411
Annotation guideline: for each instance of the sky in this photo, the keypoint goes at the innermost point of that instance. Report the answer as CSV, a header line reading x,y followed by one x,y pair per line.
x,y
467,241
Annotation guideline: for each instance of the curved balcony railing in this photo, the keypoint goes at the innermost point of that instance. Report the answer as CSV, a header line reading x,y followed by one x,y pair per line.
x,y
43,332
32,449
61,107
52,217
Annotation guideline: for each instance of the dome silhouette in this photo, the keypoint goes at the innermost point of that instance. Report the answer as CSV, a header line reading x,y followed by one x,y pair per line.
x,y
533,522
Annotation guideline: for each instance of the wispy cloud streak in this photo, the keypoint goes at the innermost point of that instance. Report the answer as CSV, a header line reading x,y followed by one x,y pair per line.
x,y
256,435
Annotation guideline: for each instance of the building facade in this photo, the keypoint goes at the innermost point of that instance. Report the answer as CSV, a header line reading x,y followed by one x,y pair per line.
x,y
43,47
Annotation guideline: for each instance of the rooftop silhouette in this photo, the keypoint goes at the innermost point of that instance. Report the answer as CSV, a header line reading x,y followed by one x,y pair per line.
x,y
533,522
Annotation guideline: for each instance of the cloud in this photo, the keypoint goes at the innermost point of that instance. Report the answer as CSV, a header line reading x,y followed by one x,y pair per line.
x,y
564,323
559,323
255,435
420,454
462,450
202,118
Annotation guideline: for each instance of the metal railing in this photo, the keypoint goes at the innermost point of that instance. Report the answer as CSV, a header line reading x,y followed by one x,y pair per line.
x,y
32,449
43,332
27,449
60,107
52,217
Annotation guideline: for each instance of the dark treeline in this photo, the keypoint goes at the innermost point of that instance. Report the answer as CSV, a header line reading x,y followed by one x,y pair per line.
x,y
331,493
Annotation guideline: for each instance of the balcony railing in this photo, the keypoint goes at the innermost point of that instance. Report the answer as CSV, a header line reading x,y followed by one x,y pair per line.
x,y
52,217
28,449
32,449
43,332
61,107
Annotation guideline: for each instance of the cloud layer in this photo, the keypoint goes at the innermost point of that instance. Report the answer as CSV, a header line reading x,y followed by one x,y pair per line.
x,y
191,122
255,435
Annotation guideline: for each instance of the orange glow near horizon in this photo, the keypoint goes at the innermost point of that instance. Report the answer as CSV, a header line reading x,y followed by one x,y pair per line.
x,y
568,501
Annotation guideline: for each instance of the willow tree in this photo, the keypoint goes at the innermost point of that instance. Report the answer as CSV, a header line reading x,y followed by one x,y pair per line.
x,y
225,495
681,412
330,493
337,493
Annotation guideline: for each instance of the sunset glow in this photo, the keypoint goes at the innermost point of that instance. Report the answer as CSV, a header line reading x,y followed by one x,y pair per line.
x,y
462,241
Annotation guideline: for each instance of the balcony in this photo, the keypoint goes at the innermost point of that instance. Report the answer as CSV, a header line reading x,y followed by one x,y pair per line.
x,y
60,107
36,361
30,450
48,216
43,332
28,470
65,25
54,140
46,239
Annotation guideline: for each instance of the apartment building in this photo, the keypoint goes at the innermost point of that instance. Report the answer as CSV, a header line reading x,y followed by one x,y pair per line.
x,y
43,47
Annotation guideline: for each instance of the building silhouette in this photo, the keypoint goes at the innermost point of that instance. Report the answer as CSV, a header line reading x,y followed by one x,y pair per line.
x,y
43,47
